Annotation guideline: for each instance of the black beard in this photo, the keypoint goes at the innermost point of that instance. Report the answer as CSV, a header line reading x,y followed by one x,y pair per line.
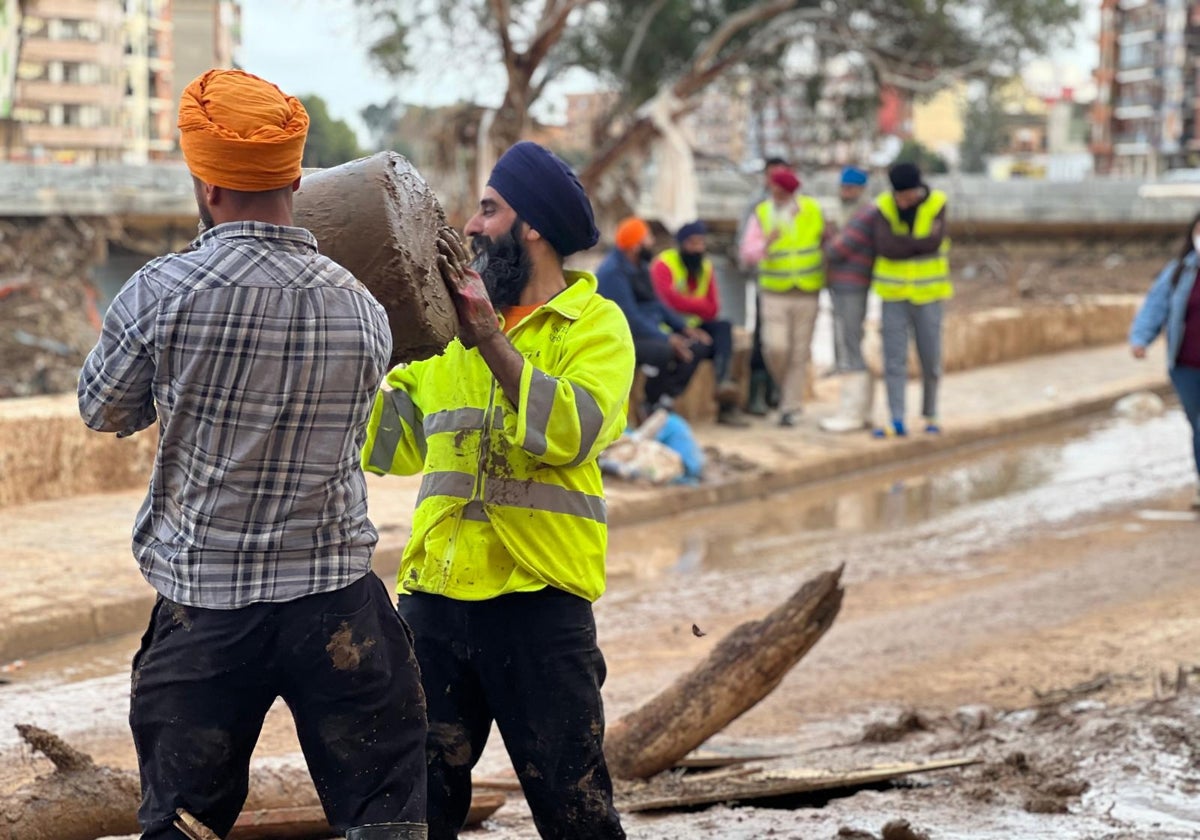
x,y
504,265
692,262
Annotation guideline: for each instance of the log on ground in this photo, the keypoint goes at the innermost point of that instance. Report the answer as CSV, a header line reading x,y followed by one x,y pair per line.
x,y
741,670
81,800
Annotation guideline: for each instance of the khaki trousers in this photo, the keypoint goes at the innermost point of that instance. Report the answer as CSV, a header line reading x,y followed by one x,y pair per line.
x,y
788,320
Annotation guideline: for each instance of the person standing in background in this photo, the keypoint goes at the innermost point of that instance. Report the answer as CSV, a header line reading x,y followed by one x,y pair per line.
x,y
1173,305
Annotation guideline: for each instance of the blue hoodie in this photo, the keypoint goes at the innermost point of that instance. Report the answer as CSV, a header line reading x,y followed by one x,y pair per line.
x,y
616,276
1166,307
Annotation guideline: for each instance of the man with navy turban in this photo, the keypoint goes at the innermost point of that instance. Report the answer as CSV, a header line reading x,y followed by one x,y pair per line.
x,y
509,536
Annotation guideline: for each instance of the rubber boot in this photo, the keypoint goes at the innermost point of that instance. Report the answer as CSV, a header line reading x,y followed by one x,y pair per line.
x,y
846,418
389,831
757,404
731,415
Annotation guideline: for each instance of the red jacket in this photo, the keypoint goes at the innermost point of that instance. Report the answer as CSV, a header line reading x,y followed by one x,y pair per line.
x,y
705,308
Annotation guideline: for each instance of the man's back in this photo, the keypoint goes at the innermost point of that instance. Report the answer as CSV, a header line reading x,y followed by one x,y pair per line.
x,y
262,357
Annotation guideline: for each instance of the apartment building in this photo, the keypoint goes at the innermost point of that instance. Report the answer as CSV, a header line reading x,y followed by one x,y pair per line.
x,y
68,95
1144,116
96,81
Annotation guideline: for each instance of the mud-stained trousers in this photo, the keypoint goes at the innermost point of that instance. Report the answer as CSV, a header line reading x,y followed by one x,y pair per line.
x,y
530,662
343,662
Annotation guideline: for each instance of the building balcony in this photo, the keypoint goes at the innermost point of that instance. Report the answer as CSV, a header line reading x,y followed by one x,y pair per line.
x,y
1134,112
72,137
1126,5
1134,75
74,52
1140,36
105,11
62,93
158,104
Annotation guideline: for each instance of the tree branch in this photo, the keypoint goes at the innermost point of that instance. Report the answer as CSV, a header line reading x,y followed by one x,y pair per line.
x,y
734,24
502,11
639,36
550,30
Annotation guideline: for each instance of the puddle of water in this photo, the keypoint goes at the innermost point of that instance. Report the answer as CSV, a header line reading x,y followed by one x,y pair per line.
x,y
966,503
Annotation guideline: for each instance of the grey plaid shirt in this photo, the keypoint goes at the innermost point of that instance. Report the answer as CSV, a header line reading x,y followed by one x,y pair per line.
x,y
259,358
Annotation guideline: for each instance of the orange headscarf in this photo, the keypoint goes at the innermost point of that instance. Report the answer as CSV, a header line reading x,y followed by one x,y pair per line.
x,y
241,132
630,233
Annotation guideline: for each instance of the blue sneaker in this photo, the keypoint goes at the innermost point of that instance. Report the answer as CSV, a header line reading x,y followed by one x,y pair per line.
x,y
932,427
897,429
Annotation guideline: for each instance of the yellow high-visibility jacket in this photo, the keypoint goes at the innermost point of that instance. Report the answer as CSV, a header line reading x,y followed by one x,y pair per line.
x,y
920,279
673,260
794,260
512,498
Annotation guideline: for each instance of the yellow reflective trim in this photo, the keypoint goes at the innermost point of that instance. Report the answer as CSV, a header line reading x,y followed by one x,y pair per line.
x,y
397,406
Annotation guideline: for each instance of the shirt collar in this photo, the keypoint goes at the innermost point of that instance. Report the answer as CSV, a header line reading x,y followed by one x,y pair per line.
x,y
295,237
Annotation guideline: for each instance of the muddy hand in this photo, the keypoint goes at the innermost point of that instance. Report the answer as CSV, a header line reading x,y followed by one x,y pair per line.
x,y
476,317
450,244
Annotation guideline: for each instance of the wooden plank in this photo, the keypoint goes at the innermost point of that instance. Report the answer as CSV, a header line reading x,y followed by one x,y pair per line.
x,y
309,823
711,760
773,783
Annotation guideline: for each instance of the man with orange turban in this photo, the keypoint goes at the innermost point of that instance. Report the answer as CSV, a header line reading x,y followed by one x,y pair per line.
x,y
667,349
258,359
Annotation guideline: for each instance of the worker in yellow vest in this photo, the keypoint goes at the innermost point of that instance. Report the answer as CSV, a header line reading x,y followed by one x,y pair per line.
x,y
912,276
784,238
509,537
686,282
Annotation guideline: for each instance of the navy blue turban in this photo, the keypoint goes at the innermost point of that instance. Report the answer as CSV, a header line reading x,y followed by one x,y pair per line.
x,y
547,195
690,229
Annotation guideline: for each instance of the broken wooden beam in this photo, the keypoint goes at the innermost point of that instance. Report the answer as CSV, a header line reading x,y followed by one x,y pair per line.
x,y
741,670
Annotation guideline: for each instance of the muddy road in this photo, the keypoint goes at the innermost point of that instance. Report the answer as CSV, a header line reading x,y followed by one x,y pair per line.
x,y
1023,599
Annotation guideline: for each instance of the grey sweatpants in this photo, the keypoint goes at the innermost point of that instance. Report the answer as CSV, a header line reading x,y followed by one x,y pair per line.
x,y
925,321
849,312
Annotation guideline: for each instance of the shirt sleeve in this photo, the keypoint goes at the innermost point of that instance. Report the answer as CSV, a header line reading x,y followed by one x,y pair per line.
x,y
754,245
115,386
902,246
1152,316
395,430
569,415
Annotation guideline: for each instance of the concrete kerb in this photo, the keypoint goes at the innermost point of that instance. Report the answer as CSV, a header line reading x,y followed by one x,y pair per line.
x,y
67,624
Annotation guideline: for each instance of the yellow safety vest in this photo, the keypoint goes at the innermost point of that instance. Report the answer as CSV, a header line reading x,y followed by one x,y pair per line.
x,y
920,279
794,260
679,274
512,498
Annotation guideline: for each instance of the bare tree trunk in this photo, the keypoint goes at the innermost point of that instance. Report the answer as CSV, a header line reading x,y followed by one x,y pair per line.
x,y
742,669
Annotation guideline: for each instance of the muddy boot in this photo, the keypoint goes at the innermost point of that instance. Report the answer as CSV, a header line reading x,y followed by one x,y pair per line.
x,y
731,415
388,831
757,404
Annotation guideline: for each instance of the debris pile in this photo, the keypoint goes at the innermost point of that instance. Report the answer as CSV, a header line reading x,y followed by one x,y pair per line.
x,y
48,304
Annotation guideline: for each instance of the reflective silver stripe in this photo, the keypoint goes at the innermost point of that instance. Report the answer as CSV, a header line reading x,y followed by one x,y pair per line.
x,y
460,485
474,512
775,254
550,498
591,421
453,420
803,272
396,404
498,420
537,412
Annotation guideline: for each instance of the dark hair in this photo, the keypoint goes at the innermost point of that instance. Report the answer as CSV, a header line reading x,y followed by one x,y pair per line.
x,y
774,161
1187,248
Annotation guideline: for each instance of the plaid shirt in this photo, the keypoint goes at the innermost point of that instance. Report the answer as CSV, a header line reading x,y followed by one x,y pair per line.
x,y
259,358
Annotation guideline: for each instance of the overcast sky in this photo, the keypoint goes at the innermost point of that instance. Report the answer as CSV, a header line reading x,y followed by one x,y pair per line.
x,y
317,46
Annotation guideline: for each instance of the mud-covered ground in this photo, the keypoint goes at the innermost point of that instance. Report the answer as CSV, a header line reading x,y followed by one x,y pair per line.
x,y
1020,605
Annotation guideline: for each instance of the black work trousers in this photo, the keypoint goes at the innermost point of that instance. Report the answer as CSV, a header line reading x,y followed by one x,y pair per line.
x,y
528,661
343,662
673,375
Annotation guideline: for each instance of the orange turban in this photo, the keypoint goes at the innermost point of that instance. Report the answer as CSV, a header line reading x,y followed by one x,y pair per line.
x,y
241,132
631,232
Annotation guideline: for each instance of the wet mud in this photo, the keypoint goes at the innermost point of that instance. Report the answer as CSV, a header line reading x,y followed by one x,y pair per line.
x,y
1019,609
378,218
